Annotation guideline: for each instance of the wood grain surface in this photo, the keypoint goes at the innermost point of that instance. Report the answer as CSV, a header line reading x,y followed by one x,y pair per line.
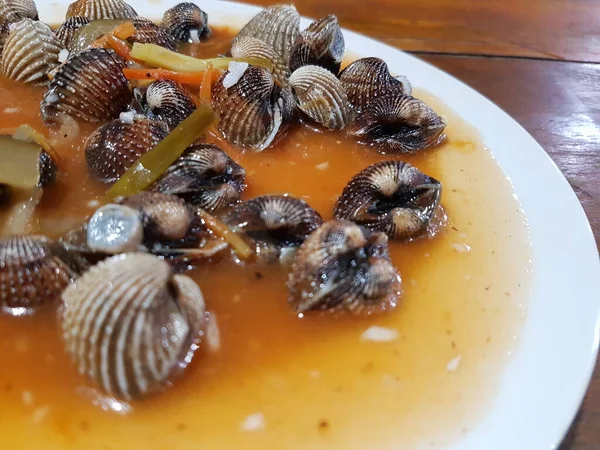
x,y
514,52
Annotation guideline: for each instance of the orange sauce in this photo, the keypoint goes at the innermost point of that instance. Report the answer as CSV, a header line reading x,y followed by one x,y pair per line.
x,y
279,381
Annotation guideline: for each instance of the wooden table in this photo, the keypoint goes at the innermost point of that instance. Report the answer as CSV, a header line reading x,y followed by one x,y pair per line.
x,y
537,59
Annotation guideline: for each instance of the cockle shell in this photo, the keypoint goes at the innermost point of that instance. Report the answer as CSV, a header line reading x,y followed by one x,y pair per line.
x,y
147,32
204,176
278,26
186,22
30,273
249,47
367,79
101,9
12,11
392,197
90,86
321,44
167,101
274,224
68,30
343,266
254,111
320,95
130,324
113,148
30,52
398,123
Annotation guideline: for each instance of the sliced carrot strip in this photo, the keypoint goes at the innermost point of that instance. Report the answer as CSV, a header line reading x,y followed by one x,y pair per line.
x,y
120,47
123,31
206,86
161,74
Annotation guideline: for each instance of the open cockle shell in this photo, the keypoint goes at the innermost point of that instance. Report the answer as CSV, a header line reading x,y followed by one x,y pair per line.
x,y
367,79
186,22
254,111
130,324
90,86
278,26
114,147
392,197
30,52
320,96
101,9
249,47
30,272
275,224
343,266
398,123
321,44
204,176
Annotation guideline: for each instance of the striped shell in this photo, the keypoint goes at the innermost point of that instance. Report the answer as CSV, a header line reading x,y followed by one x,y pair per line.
x,y
67,32
30,273
12,11
343,266
367,79
274,224
321,44
398,123
130,325
30,52
101,9
249,47
278,26
320,95
90,86
167,101
254,111
115,146
147,32
204,176
186,22
392,197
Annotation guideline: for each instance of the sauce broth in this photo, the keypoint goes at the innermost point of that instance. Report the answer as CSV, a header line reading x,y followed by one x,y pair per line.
x,y
280,381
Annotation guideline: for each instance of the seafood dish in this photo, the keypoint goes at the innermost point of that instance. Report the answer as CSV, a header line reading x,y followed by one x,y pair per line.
x,y
212,233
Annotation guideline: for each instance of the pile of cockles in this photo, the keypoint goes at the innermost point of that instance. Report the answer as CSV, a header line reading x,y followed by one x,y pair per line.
x,y
130,317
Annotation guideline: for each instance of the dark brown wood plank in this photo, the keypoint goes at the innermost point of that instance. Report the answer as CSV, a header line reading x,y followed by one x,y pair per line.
x,y
559,104
557,29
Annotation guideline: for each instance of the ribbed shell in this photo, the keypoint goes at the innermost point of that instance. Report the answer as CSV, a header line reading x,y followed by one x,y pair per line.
x,y
48,169
169,102
321,44
12,11
30,52
147,32
114,147
101,9
392,197
274,223
67,32
343,266
278,26
398,123
249,47
90,86
186,22
204,176
253,111
30,274
165,217
130,324
319,94
367,79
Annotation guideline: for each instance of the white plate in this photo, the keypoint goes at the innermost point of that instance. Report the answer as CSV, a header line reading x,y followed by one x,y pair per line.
x,y
544,383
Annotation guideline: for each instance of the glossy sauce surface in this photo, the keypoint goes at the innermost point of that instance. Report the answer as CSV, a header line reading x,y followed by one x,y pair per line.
x,y
279,381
